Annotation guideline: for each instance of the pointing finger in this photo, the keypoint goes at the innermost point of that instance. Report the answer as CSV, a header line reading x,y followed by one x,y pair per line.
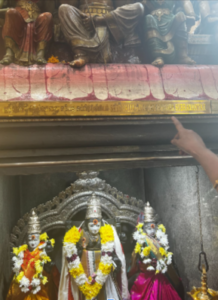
x,y
177,123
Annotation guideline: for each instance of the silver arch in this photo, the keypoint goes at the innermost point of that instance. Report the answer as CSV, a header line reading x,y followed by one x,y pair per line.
x,y
53,214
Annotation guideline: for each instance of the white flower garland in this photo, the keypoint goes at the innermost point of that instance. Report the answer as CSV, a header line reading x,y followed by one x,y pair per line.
x,y
90,287
161,236
33,286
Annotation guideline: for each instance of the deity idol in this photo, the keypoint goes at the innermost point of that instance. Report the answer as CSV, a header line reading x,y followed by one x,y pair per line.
x,y
166,31
87,29
35,278
154,274
26,33
90,254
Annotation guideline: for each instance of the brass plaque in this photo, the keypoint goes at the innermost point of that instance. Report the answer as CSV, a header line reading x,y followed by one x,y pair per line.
x,y
106,108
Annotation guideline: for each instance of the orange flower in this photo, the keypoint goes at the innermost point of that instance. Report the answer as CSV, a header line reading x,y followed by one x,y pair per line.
x,y
53,60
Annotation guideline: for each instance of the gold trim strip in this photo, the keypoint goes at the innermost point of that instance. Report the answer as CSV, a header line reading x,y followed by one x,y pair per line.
x,y
103,108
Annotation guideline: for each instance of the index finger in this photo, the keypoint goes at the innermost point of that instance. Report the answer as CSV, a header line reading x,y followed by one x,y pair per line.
x,y
177,123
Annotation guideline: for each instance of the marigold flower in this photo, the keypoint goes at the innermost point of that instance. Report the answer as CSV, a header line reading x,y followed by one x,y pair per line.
x,y
16,251
38,266
162,227
137,248
146,251
46,258
104,268
52,242
72,236
162,251
44,280
23,248
75,272
106,233
20,276
140,225
53,60
44,237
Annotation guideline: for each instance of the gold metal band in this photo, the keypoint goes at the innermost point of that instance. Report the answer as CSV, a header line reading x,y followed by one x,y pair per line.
x,y
100,108
96,9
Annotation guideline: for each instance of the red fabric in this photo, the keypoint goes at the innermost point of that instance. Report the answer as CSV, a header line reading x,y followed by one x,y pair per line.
x,y
70,295
27,35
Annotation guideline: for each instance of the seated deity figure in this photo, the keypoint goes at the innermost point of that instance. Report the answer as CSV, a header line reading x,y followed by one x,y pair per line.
x,y
166,32
91,254
26,33
209,18
87,28
35,278
151,273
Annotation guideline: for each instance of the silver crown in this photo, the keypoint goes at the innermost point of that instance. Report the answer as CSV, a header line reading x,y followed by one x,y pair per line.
x,y
94,207
33,223
149,214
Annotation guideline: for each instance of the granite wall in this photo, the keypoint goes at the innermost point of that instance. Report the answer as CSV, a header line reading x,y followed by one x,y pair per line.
x,y
173,193
9,214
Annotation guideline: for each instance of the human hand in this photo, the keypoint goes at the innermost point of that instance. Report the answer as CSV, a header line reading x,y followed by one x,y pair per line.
x,y
87,22
187,140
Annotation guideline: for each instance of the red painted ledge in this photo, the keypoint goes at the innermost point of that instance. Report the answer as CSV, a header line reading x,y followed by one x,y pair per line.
x,y
57,82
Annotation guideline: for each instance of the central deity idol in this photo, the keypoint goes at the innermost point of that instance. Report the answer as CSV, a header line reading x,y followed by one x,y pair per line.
x,y
91,255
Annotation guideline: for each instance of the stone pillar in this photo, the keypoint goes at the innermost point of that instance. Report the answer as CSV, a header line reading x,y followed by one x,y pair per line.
x,y
173,194
9,215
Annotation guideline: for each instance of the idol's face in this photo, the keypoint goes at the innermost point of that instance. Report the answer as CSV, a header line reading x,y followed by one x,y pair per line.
x,y
94,226
150,229
33,240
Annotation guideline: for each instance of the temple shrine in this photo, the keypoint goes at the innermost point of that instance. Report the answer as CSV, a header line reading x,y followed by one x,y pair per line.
x,y
95,201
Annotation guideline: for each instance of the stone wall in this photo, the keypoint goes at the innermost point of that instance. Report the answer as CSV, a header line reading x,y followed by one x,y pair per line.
x,y
173,194
9,214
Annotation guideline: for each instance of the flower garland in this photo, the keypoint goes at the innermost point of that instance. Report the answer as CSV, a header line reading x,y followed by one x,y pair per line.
x,y
91,286
18,259
161,236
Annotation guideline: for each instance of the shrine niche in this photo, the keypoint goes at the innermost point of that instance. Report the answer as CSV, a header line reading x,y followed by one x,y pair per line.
x,y
55,213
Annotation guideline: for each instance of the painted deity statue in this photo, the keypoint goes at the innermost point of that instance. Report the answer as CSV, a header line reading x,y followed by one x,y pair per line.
x,y
35,277
26,33
166,32
90,254
87,27
151,267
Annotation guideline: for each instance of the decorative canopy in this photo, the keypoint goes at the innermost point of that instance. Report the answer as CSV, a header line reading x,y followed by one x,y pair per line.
x,y
54,213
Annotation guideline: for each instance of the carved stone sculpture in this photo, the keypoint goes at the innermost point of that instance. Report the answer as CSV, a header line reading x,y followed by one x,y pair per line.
x,y
151,261
90,253
35,276
166,32
26,33
88,27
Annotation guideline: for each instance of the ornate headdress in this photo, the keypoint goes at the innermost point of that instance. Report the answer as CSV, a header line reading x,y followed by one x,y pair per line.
x,y
94,207
150,214
33,223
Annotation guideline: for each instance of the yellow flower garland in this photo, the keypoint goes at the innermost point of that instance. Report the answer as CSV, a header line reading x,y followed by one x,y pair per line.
x,y
38,264
73,236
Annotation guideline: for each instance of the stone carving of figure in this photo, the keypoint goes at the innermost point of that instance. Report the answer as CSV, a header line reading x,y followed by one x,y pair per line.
x,y
166,31
87,28
26,32
35,275
209,18
89,256
151,261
